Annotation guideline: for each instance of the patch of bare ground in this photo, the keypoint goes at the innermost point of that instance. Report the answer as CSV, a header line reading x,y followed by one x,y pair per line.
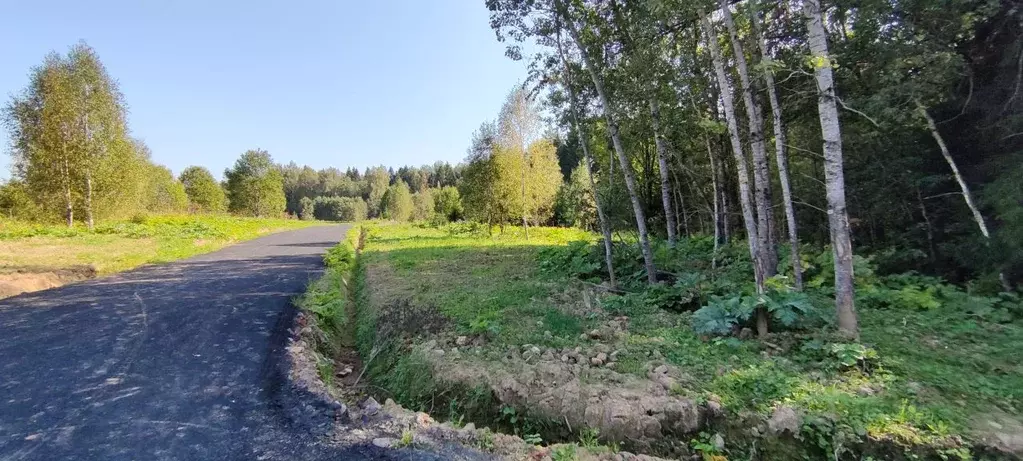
x,y
361,419
25,279
579,387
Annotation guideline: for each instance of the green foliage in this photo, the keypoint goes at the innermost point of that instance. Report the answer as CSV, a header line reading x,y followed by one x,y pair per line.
x,y
397,203
204,192
422,205
447,203
756,386
341,256
903,381
306,209
16,202
344,209
407,439
575,259
255,186
723,314
704,445
166,194
565,452
589,437
70,143
325,370
574,205
378,180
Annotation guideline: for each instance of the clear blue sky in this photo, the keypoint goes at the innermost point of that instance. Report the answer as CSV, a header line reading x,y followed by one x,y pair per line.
x,y
324,83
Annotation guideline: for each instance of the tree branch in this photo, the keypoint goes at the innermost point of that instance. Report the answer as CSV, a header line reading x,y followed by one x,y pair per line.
x,y
804,150
1019,78
799,202
850,109
969,96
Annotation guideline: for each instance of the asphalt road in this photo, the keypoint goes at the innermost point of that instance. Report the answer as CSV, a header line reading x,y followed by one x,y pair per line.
x,y
176,361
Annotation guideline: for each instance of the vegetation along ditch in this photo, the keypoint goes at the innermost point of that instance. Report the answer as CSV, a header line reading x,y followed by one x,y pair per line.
x,y
525,338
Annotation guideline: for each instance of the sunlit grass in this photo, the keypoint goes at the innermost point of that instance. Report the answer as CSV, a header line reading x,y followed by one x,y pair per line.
x,y
936,372
121,245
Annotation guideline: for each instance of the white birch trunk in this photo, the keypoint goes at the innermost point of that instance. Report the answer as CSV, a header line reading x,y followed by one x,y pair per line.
x,y
662,163
967,196
834,176
616,141
69,210
740,165
761,170
88,199
605,225
781,156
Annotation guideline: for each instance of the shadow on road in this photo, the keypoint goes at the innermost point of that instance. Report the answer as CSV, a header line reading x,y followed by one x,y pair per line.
x,y
177,361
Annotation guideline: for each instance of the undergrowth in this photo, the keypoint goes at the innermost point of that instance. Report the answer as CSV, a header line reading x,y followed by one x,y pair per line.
x,y
933,358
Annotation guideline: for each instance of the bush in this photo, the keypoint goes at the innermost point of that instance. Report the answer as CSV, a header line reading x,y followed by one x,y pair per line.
x,y
447,203
347,209
397,202
307,211
422,205
724,314
577,259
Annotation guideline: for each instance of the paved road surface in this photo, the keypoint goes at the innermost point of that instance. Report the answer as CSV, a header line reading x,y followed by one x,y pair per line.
x,y
177,361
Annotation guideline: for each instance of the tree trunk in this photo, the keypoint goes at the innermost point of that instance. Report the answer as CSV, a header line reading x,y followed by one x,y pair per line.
x,y
967,196
717,199
88,198
929,228
525,206
782,159
834,176
88,164
740,165
715,184
69,210
616,141
662,163
761,170
605,225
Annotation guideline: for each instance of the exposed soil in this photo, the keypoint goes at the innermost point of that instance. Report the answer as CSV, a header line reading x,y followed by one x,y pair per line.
x,y
361,419
26,279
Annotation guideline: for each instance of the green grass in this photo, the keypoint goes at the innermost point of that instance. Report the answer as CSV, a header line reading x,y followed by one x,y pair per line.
x,y
481,284
921,378
121,245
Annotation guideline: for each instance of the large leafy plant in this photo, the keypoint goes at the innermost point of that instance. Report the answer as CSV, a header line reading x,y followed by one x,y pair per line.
x,y
722,315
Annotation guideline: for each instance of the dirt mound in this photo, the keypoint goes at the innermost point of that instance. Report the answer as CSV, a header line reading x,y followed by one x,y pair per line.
x,y
17,280
624,408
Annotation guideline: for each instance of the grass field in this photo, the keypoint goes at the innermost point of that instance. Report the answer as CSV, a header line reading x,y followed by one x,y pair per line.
x,y
117,246
931,380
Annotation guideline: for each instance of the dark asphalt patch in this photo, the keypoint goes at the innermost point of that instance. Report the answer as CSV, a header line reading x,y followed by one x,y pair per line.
x,y
176,361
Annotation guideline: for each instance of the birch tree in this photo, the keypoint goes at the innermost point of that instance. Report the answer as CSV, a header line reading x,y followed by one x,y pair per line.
x,y
780,154
834,176
761,171
518,124
605,225
616,141
745,201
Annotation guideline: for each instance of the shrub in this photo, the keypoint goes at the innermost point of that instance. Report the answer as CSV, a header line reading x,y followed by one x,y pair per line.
x,y
447,203
347,209
422,205
307,211
723,314
397,202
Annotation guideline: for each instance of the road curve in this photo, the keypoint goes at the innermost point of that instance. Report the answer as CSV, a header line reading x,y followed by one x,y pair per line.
x,y
175,361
